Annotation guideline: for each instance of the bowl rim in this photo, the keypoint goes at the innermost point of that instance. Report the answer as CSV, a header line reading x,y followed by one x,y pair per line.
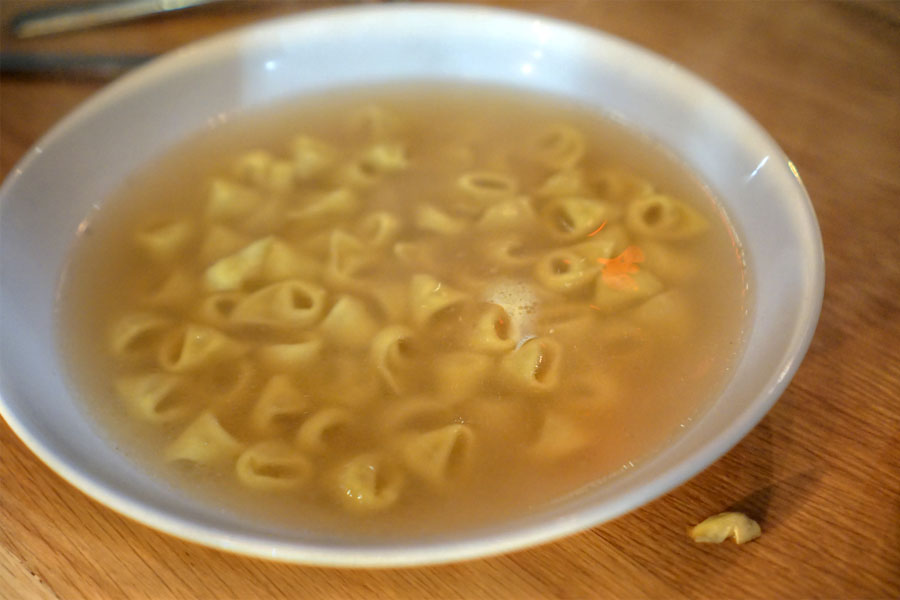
x,y
431,553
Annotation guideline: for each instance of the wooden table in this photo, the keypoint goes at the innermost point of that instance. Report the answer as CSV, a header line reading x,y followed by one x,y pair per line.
x,y
821,472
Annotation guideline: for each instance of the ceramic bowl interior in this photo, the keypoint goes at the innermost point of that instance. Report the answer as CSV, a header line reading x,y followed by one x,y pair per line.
x,y
84,158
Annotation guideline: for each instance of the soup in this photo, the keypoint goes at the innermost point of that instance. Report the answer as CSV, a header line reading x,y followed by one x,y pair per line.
x,y
404,310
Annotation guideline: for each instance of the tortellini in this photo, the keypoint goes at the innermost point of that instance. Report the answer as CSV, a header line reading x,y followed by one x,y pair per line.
x,y
486,186
619,185
155,397
287,305
386,157
137,334
429,218
533,366
280,402
265,260
560,435
507,215
273,465
506,419
357,175
369,482
379,229
229,201
494,330
575,218
440,455
349,324
260,168
203,442
661,217
391,354
220,241
327,208
317,328
558,147
611,296
565,271
608,242
567,320
429,297
667,313
507,252
164,241
567,182
317,432
348,258
310,156
233,271
230,387
301,353
193,347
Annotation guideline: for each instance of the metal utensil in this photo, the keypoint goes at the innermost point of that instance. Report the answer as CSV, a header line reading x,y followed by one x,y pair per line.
x,y
70,66
60,19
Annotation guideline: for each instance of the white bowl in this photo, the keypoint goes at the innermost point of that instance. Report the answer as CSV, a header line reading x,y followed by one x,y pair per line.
x,y
84,158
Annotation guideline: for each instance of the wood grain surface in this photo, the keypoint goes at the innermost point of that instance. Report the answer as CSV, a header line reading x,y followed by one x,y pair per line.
x,y
821,472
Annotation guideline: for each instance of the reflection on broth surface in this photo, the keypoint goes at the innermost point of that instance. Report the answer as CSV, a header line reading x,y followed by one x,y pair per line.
x,y
402,311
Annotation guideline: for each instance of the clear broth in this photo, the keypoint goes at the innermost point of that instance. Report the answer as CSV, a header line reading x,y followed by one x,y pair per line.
x,y
654,396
